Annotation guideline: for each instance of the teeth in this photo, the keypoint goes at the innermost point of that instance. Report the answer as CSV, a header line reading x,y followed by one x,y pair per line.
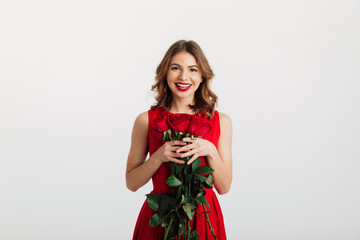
x,y
182,85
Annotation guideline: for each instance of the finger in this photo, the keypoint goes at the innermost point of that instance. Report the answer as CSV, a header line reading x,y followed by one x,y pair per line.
x,y
189,147
185,148
175,155
192,159
187,139
175,149
176,160
177,142
192,152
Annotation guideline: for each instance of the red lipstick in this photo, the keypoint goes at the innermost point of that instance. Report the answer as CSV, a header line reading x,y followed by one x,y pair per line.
x,y
182,87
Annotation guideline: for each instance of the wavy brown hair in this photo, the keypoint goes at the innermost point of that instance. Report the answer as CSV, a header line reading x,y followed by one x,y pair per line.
x,y
205,99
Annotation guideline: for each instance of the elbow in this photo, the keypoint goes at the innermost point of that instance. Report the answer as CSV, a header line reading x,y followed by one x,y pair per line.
x,y
224,191
224,188
130,186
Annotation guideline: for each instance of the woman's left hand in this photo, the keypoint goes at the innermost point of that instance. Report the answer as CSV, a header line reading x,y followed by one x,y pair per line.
x,y
198,147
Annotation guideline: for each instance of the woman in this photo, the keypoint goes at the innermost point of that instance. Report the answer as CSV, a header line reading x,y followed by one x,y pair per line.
x,y
183,87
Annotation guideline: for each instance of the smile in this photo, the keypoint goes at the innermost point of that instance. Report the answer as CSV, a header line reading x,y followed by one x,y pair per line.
x,y
183,86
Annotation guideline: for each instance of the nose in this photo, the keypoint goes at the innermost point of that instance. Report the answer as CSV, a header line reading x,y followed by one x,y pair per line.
x,y
183,76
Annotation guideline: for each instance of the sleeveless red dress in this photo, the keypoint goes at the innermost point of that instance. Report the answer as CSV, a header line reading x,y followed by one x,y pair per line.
x,y
143,231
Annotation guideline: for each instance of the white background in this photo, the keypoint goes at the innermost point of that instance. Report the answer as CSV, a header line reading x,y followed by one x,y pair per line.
x,y
75,74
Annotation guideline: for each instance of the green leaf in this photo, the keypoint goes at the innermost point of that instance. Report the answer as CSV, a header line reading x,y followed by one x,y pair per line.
x,y
187,178
164,205
201,178
178,167
203,200
164,224
206,185
172,203
201,193
189,200
172,181
187,169
209,183
195,164
204,170
156,196
155,220
153,200
165,220
188,209
210,180
153,203
172,167
171,193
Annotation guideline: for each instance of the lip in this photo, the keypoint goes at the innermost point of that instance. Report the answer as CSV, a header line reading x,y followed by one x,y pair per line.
x,y
182,89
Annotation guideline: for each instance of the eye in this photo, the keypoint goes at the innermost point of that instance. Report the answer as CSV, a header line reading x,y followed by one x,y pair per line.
x,y
193,70
175,68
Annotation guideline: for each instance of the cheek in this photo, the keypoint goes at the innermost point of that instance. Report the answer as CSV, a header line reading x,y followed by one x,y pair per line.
x,y
199,80
170,76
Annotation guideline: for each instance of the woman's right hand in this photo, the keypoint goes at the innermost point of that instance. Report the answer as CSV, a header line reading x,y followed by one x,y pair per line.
x,y
167,152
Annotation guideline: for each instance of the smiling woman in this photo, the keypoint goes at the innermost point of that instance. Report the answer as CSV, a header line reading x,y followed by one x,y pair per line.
x,y
198,142
184,79
183,63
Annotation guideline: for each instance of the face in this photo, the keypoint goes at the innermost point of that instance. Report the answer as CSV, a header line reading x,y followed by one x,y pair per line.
x,y
184,76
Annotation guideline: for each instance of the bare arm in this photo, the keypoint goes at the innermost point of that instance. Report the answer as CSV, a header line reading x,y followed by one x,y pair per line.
x,y
221,160
139,171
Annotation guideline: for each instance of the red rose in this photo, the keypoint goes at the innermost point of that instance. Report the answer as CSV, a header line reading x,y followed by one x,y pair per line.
x,y
160,126
199,126
179,122
156,134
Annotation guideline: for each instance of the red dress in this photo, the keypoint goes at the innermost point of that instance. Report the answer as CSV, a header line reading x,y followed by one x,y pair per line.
x,y
143,231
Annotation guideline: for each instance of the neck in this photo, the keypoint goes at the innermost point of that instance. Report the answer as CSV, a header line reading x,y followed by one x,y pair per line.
x,y
178,106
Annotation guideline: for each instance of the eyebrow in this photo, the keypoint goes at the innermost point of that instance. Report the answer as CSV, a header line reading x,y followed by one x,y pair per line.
x,y
180,65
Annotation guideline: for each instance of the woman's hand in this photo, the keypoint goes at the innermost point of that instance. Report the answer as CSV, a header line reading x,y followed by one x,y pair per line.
x,y
198,147
168,152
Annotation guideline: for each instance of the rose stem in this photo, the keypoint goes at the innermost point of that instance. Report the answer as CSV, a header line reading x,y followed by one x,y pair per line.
x,y
168,228
208,221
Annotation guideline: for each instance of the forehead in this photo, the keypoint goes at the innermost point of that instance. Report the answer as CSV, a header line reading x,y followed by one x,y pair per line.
x,y
183,58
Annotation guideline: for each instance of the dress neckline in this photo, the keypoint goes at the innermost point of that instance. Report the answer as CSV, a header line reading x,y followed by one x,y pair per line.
x,y
190,114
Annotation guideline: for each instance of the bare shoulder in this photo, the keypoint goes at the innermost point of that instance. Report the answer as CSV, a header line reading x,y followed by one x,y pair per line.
x,y
142,119
224,119
225,126
141,124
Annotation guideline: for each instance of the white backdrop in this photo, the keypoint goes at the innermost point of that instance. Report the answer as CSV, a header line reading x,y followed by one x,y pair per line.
x,y
75,74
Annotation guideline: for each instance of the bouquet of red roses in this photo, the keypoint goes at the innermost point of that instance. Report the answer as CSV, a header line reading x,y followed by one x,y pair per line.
x,y
176,208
